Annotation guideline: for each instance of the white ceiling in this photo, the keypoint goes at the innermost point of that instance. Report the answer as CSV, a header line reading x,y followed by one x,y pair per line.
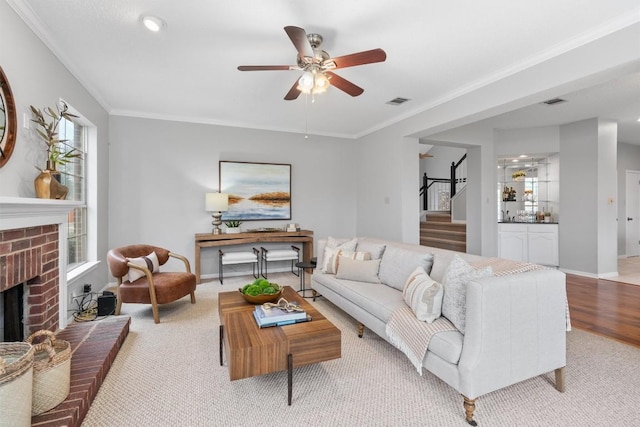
x,y
435,51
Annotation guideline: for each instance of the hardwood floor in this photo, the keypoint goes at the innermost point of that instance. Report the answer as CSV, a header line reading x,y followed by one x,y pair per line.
x,y
605,307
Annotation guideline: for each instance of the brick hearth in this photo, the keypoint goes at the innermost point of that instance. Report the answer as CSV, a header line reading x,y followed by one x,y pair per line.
x,y
94,347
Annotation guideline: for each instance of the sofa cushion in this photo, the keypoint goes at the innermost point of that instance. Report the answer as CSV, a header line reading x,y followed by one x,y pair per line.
x,y
344,244
360,271
377,299
424,296
455,280
150,261
398,263
442,258
375,249
447,345
332,258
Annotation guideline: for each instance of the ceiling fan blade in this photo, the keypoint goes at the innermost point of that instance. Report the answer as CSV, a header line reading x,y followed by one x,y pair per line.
x,y
360,58
299,38
266,67
343,84
293,93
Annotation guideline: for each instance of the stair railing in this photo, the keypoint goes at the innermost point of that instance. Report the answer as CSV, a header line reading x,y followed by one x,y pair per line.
x,y
436,193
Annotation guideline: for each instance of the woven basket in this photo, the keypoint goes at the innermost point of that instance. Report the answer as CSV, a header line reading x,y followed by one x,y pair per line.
x,y
51,371
16,383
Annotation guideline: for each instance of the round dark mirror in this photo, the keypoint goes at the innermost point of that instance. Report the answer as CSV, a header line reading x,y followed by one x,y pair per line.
x,y
8,123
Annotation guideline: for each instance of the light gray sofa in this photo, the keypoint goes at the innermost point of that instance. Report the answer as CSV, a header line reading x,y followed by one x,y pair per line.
x,y
515,324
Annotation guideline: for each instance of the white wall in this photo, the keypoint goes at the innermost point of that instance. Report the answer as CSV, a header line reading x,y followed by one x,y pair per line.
x,y
530,141
606,198
38,78
588,232
628,160
162,169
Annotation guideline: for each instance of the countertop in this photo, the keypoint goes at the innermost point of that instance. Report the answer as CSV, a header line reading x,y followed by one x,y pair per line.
x,y
525,222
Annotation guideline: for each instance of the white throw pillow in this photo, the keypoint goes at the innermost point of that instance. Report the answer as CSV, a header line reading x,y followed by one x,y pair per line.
x,y
150,261
424,295
348,245
376,249
456,277
398,263
332,258
360,271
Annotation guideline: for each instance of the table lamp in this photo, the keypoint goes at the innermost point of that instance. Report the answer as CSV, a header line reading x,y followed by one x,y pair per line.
x,y
216,203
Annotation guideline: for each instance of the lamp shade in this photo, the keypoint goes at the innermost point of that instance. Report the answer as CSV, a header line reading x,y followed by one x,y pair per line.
x,y
216,202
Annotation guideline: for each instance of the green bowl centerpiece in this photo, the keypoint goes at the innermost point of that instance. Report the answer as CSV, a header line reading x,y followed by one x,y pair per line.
x,y
260,291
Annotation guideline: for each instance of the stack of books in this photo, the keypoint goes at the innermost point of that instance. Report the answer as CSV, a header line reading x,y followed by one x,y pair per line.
x,y
278,317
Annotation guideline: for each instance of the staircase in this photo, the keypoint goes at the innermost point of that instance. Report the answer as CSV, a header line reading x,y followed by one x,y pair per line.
x,y
439,232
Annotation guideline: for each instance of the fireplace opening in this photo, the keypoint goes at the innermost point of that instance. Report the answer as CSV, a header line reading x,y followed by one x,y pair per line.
x,y
12,310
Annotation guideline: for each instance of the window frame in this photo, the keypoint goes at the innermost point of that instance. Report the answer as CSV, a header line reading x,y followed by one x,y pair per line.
x,y
89,204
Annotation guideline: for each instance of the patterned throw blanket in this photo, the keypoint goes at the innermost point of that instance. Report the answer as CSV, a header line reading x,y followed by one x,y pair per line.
x,y
412,336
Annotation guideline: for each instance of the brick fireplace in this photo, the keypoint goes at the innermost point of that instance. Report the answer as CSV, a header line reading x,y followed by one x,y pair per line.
x,y
33,253
30,256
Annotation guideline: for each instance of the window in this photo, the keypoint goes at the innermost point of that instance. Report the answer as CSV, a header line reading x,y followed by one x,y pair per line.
x,y
73,138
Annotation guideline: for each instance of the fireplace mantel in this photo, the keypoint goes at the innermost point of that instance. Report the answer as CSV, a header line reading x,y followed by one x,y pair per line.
x,y
23,212
19,212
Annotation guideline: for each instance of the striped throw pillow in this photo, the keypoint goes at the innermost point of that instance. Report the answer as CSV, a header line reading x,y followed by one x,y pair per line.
x,y
332,258
424,295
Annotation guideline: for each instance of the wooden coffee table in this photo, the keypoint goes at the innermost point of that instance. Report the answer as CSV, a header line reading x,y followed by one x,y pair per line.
x,y
251,351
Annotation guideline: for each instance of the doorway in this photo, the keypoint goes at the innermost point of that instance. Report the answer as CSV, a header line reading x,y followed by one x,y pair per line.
x,y
632,218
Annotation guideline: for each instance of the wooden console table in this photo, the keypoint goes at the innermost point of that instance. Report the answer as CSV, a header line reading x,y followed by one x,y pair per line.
x,y
208,240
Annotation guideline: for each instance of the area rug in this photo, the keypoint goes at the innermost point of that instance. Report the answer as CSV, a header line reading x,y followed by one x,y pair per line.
x,y
169,374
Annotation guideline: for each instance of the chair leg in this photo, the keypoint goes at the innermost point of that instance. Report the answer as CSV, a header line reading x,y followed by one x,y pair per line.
x,y
118,299
292,271
220,272
156,314
193,297
118,306
154,302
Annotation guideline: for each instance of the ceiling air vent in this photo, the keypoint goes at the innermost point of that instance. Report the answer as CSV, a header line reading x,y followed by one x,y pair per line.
x,y
397,101
554,101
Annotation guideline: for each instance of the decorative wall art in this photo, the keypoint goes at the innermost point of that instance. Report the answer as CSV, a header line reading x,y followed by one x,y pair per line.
x,y
257,191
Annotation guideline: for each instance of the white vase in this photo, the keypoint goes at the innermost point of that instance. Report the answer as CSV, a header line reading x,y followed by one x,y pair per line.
x,y
233,230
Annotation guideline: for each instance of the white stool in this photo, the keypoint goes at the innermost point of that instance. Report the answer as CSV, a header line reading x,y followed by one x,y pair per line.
x,y
230,258
292,255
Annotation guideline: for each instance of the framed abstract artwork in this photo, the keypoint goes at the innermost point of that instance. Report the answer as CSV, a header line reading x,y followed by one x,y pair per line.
x,y
257,191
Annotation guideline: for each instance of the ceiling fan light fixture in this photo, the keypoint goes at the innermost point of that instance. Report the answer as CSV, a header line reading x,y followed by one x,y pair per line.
x,y
153,23
320,83
306,82
313,82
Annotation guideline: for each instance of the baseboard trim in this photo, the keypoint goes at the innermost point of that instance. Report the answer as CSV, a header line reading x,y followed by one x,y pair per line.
x,y
591,275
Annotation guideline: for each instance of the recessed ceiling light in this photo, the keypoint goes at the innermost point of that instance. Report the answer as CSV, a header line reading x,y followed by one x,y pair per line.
x,y
153,23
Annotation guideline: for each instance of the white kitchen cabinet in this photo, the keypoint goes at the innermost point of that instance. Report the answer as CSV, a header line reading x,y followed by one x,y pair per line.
x,y
543,244
535,243
512,242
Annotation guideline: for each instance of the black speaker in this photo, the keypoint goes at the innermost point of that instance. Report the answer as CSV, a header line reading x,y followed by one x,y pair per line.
x,y
106,304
